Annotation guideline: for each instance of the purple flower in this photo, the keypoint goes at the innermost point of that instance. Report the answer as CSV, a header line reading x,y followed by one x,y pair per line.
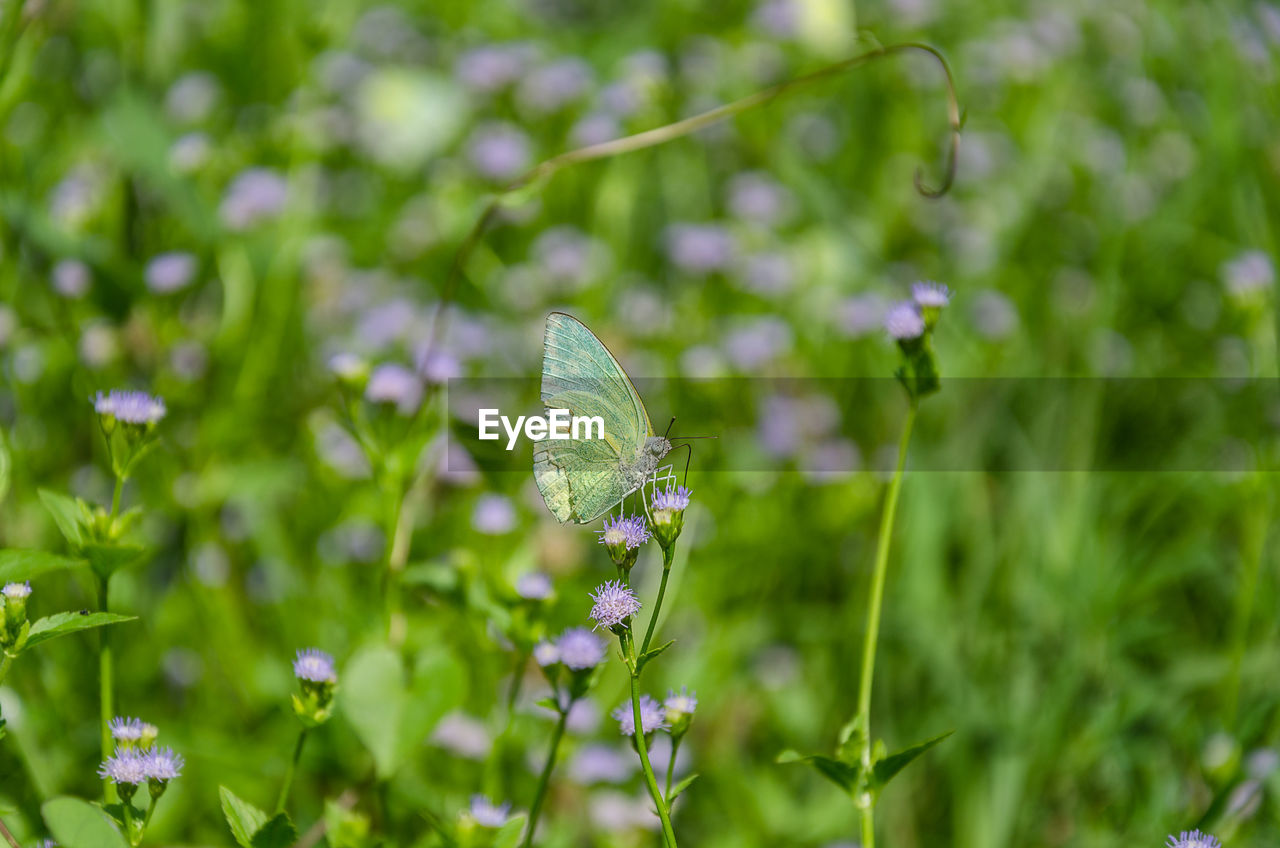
x,y
552,87
861,313
129,406
755,344
930,295
684,701
396,384
71,278
600,764
126,729
675,499
128,766
192,97
778,18
488,814
757,198
700,248
463,735
17,591
494,515
546,654
652,716
170,272
595,129
256,194
614,604
162,764
768,273
994,315
315,666
1248,273
534,586
903,321
630,532
580,649
492,67
499,151
1193,839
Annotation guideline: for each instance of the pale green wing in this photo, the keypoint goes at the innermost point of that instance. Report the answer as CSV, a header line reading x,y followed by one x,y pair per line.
x,y
581,480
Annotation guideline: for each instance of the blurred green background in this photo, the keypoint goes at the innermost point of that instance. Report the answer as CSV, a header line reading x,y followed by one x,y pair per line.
x,y
212,199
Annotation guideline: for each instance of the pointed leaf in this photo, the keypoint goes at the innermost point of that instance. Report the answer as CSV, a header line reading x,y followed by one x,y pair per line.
x,y
374,697
885,770
68,514
79,824
17,566
243,818
279,832
508,836
680,787
53,626
841,774
652,653
106,559
345,828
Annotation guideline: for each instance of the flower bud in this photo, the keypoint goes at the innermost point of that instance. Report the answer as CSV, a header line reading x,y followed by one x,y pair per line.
x,y
679,708
622,538
318,679
15,611
667,514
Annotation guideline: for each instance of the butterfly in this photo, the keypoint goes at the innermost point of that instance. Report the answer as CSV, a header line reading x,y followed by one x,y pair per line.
x,y
582,479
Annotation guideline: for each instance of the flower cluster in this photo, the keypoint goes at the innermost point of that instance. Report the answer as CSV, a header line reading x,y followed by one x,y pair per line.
x,y
138,760
614,605
622,538
653,716
318,677
13,602
137,409
910,323
130,733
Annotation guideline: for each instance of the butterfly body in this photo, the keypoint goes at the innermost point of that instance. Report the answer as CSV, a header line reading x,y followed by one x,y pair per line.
x,y
581,479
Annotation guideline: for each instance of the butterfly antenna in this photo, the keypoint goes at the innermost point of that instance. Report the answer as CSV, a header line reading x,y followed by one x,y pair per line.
x,y
672,423
688,459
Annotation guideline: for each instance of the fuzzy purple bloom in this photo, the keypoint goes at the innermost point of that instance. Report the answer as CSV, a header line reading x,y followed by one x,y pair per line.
x,y
17,591
930,295
488,814
71,278
396,384
162,764
600,764
170,272
129,406
614,604
652,717
546,653
675,499
630,531
1193,839
903,321
126,766
126,729
534,586
315,665
499,151
700,248
580,649
683,701
256,194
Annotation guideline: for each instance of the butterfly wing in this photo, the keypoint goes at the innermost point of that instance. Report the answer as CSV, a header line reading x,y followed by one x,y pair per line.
x,y
580,480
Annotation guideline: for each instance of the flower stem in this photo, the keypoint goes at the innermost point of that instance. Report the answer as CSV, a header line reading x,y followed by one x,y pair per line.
x,y
128,821
671,767
6,662
116,494
545,780
8,837
290,772
668,556
397,533
642,748
873,620
106,668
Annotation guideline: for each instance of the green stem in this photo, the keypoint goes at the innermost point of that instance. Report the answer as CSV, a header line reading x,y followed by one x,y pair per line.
x,y
105,688
290,772
115,496
1255,532
6,662
671,766
873,621
151,811
397,558
545,780
668,556
8,837
128,821
642,748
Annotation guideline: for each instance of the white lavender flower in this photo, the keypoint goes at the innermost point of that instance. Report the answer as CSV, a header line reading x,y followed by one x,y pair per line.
x,y
614,604
903,321
1193,839
599,763
129,406
493,515
1248,274
700,248
395,384
126,730
683,701
255,195
128,766
170,272
17,591
629,532
652,716
674,499
930,295
315,666
488,814
463,735
499,151
546,654
162,764
534,586
580,649
71,278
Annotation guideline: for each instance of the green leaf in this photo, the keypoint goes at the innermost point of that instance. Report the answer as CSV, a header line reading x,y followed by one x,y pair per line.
x,y
844,775
244,818
106,559
345,828
439,686
508,836
680,787
79,824
17,566
885,770
279,832
373,697
548,703
68,513
53,626
652,653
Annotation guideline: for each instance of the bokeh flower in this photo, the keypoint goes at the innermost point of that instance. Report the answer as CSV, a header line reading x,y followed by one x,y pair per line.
x,y
652,716
488,814
546,654
254,196
395,384
930,295
580,649
170,272
614,605
903,322
315,666
131,407
534,586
